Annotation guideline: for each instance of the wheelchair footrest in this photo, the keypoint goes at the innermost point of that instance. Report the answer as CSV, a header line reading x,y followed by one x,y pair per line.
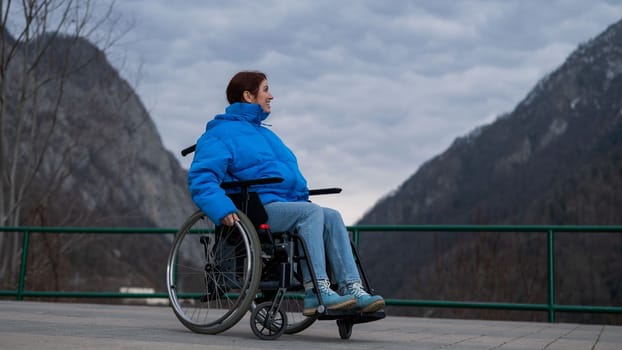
x,y
352,316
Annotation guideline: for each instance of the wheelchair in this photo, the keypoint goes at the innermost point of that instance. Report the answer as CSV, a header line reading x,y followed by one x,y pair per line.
x,y
216,273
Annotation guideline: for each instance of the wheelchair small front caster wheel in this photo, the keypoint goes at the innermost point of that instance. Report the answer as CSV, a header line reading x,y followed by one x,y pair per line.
x,y
345,329
266,323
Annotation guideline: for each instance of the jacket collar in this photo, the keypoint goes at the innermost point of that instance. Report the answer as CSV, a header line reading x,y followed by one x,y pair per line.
x,y
250,112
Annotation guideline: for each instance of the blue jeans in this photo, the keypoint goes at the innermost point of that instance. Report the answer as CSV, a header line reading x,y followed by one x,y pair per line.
x,y
325,234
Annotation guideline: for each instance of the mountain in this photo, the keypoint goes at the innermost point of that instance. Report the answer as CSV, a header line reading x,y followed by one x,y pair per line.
x,y
555,159
100,161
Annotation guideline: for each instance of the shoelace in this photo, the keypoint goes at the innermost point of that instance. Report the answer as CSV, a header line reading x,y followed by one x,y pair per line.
x,y
357,290
324,286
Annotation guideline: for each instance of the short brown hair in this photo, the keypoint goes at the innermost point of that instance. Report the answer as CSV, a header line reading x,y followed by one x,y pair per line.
x,y
244,81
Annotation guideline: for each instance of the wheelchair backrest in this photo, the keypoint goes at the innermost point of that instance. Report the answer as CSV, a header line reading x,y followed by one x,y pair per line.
x,y
250,204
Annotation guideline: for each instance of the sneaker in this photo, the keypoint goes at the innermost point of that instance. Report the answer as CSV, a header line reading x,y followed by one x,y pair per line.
x,y
364,301
331,299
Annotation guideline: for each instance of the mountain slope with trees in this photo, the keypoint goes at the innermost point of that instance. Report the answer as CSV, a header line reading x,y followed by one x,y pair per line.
x,y
555,159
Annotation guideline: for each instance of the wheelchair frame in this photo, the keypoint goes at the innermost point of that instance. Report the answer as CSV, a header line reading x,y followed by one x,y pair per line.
x,y
215,274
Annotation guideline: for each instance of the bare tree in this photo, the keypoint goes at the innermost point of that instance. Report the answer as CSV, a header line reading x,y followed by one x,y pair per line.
x,y
38,40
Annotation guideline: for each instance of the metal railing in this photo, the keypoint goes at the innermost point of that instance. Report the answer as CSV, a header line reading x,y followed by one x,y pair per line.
x,y
551,307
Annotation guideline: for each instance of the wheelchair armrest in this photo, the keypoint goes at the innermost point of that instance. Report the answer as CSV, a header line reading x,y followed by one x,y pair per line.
x,y
319,191
252,182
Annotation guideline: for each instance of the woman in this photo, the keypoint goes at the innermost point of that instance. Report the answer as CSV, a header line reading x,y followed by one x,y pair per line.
x,y
236,146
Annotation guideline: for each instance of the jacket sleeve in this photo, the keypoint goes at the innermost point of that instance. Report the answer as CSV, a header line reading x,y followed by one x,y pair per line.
x,y
207,171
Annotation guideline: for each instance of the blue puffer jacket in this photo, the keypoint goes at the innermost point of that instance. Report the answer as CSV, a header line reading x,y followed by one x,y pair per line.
x,y
235,146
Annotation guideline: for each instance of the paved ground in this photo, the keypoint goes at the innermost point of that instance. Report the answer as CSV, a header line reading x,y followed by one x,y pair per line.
x,y
38,325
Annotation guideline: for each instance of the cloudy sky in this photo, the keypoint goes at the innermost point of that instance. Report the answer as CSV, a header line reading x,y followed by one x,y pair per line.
x,y
365,91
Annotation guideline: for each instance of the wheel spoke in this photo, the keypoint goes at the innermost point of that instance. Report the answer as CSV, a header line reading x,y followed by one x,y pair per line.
x,y
211,282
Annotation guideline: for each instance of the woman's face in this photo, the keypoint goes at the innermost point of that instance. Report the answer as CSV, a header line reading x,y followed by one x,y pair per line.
x,y
263,98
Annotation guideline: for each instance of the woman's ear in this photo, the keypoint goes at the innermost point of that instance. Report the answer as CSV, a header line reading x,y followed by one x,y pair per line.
x,y
248,97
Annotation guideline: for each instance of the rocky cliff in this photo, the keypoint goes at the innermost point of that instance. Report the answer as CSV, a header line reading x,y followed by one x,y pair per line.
x,y
96,159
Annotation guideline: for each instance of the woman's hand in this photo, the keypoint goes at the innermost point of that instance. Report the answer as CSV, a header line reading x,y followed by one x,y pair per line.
x,y
230,219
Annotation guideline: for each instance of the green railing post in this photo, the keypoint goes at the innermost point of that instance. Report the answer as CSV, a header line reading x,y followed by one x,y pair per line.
x,y
23,266
551,274
355,237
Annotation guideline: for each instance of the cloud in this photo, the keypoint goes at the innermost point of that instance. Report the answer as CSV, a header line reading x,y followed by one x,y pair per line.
x,y
365,91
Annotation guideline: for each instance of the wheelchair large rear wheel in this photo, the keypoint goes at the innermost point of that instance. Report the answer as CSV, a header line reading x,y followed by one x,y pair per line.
x,y
213,273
